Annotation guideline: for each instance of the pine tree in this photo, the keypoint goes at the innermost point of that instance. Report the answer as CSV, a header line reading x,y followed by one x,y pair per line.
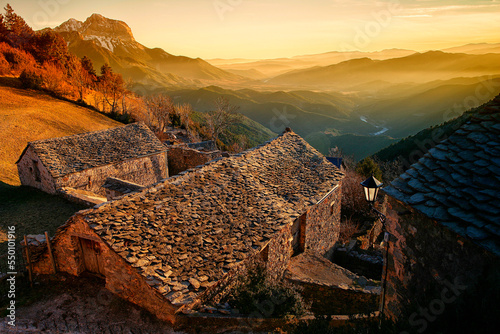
x,y
368,167
18,32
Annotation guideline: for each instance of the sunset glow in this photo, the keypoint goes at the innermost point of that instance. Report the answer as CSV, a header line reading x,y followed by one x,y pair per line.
x,y
268,29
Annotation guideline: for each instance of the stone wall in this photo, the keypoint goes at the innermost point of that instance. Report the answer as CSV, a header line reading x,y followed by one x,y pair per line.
x,y
335,300
322,224
27,166
275,255
145,171
182,158
279,253
121,278
429,266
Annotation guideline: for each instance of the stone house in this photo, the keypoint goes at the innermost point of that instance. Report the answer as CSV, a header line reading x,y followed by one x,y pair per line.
x,y
182,242
443,217
84,161
188,155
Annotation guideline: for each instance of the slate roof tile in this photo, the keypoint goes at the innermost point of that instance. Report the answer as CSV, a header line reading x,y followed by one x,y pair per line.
x,y
467,166
70,154
199,225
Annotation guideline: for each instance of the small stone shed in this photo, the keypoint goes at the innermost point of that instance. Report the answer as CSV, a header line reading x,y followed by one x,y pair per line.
x,y
183,242
84,161
443,214
188,155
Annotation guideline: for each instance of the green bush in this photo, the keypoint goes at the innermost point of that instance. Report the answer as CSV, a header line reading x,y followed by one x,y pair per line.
x,y
368,167
258,295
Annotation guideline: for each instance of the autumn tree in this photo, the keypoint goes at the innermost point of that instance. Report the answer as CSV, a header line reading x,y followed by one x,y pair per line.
x,y
13,29
83,75
111,87
54,79
49,47
88,66
224,115
185,112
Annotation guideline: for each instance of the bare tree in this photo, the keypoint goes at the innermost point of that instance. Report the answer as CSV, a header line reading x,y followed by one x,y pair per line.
x,y
224,115
111,86
159,110
185,111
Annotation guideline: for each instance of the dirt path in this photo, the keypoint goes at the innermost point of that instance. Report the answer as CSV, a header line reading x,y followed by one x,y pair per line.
x,y
79,305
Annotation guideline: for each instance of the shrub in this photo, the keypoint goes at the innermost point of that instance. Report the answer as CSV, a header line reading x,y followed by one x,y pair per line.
x,y
18,60
348,229
54,80
258,295
4,65
31,79
354,204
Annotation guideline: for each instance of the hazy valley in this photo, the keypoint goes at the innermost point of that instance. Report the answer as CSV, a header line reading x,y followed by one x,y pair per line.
x,y
361,101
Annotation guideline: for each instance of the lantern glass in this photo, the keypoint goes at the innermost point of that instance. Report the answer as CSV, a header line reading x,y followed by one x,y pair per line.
x,y
371,187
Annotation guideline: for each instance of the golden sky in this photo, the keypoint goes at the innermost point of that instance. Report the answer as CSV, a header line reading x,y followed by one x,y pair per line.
x,y
282,28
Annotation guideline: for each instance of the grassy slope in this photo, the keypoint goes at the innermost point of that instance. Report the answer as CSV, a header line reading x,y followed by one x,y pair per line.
x,y
26,116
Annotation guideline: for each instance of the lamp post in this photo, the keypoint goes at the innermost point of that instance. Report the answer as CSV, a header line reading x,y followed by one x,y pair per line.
x,y
371,187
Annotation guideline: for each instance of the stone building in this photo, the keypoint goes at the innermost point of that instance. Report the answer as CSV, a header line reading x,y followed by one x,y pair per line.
x,y
188,155
443,215
84,161
183,242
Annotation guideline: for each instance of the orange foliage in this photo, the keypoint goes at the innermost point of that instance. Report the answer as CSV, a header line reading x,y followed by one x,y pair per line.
x,y
18,60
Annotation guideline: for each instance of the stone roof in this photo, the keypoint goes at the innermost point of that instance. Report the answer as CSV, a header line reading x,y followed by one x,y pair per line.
x,y
121,186
208,145
457,183
185,233
70,154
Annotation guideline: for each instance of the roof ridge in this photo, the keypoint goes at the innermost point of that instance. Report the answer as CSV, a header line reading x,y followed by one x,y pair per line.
x,y
83,134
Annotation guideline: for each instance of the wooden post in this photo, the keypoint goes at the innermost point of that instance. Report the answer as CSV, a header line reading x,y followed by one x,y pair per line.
x,y
384,278
28,259
47,239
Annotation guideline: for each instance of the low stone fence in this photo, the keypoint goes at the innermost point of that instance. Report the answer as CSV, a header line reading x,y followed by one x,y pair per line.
x,y
330,288
81,197
214,323
328,300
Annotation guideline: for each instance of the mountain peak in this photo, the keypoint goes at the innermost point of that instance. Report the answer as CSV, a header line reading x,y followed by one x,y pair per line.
x,y
104,31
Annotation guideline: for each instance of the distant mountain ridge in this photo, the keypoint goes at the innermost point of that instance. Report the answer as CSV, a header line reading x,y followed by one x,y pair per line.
x,y
110,41
418,68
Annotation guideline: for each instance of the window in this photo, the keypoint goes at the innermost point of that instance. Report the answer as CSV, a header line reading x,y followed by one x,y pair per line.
x,y
36,171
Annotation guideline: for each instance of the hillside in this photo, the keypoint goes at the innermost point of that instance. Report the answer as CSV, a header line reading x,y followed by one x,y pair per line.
x,y
410,149
30,115
429,104
303,111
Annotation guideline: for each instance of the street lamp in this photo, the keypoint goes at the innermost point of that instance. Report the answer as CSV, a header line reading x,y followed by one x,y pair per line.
x,y
371,186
